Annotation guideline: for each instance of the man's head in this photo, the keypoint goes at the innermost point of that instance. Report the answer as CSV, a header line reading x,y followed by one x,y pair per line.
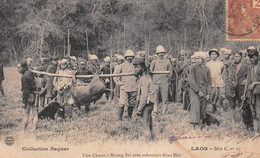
x,y
251,48
214,54
222,50
28,61
174,62
42,61
139,65
94,59
73,59
129,56
227,54
54,60
22,67
253,56
160,51
63,64
193,60
120,59
182,54
199,57
237,57
107,61
82,64
74,65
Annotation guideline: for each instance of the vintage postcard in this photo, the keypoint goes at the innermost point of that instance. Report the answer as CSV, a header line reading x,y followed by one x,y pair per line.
x,y
129,79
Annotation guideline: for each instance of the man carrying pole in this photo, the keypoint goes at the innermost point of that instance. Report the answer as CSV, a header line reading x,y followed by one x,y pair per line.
x,y
128,85
161,82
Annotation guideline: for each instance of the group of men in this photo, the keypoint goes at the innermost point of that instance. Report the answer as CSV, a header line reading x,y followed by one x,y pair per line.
x,y
225,79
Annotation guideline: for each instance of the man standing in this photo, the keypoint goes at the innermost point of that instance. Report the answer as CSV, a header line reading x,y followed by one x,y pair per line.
x,y
52,68
182,67
28,88
173,84
253,78
161,82
226,60
215,66
128,85
119,61
200,85
94,65
41,82
146,95
106,70
235,85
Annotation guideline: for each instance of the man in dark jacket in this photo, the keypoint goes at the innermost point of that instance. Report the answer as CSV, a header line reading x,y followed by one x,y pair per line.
x,y
2,77
28,88
200,84
253,87
235,85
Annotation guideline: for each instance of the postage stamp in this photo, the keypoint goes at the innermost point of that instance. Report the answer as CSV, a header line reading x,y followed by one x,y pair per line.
x,y
243,20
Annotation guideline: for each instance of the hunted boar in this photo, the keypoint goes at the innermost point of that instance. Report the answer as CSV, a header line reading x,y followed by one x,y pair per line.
x,y
84,95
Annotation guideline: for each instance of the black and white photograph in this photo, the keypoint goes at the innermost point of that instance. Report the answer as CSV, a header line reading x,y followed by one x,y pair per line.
x,y
130,78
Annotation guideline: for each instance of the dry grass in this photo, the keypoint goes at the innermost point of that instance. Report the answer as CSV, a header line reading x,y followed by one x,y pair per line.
x,y
99,125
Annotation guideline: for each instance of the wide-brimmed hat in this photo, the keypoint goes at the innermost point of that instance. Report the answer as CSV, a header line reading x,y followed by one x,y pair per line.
x,y
213,50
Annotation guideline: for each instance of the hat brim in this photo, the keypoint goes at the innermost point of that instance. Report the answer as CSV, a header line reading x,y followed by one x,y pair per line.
x,y
210,52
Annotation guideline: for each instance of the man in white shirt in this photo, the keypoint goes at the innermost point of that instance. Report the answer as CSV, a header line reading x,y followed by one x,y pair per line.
x,y
216,67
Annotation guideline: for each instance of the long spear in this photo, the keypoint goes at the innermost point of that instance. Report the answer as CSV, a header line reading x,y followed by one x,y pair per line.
x,y
87,44
124,35
111,54
68,50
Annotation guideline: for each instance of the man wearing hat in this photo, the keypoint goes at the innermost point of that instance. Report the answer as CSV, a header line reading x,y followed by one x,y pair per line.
x,y
128,85
250,48
94,64
200,85
161,81
253,78
52,68
106,70
62,85
216,67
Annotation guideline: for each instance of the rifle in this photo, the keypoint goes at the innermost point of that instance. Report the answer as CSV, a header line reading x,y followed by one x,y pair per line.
x,y
245,91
